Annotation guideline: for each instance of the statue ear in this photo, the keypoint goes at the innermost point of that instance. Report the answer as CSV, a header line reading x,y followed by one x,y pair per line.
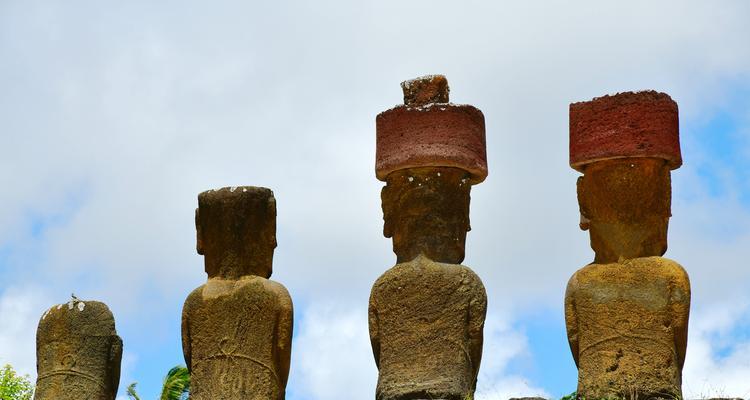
x,y
582,205
199,233
386,206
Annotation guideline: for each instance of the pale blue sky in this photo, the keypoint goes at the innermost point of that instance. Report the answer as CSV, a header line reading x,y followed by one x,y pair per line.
x,y
114,116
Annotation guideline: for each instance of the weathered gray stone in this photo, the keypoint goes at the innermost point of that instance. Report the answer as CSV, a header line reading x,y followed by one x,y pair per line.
x,y
78,353
237,328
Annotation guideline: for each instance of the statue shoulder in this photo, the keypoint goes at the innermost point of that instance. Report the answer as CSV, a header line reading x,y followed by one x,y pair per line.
x,y
468,276
194,296
678,274
665,266
584,273
573,281
280,291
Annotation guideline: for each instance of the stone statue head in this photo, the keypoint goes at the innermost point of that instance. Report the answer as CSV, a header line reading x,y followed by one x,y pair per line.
x,y
625,205
78,352
236,229
426,211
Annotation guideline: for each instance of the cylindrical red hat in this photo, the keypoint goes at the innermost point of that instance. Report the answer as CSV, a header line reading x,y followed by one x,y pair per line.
x,y
430,134
643,124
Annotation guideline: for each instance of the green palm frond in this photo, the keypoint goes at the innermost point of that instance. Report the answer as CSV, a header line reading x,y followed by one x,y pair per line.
x,y
131,391
176,384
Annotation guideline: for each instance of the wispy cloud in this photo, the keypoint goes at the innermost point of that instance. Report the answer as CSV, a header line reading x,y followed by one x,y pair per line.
x,y
132,109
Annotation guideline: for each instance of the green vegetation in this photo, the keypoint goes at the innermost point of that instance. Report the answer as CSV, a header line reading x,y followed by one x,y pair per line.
x,y
14,386
176,385
571,396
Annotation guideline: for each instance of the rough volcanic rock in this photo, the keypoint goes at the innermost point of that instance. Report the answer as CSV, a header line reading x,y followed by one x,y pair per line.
x,y
643,124
627,327
426,211
237,328
78,353
625,204
426,323
430,135
426,90
427,313
627,313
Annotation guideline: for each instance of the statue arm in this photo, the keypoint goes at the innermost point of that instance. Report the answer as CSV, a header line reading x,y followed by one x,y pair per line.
x,y
477,315
186,350
115,360
373,322
680,305
284,337
571,317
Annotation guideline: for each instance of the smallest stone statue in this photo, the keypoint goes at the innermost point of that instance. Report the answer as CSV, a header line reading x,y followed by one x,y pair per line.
x,y
78,352
237,327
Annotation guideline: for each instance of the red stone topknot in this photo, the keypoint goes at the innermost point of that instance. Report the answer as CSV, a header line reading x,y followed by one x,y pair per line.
x,y
642,124
428,131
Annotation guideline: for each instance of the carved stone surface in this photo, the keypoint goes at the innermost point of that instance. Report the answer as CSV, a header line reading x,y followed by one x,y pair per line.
x,y
427,313
627,326
426,211
78,353
627,313
237,328
625,205
426,321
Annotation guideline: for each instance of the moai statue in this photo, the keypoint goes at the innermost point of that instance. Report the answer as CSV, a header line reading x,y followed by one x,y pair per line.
x,y
237,327
627,312
426,313
78,352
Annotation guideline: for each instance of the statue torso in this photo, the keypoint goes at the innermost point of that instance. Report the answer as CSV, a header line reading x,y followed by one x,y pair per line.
x,y
232,334
626,314
423,317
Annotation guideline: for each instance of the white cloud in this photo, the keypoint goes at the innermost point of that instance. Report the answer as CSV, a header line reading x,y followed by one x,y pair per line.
x,y
717,363
20,310
127,367
129,111
502,345
331,355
